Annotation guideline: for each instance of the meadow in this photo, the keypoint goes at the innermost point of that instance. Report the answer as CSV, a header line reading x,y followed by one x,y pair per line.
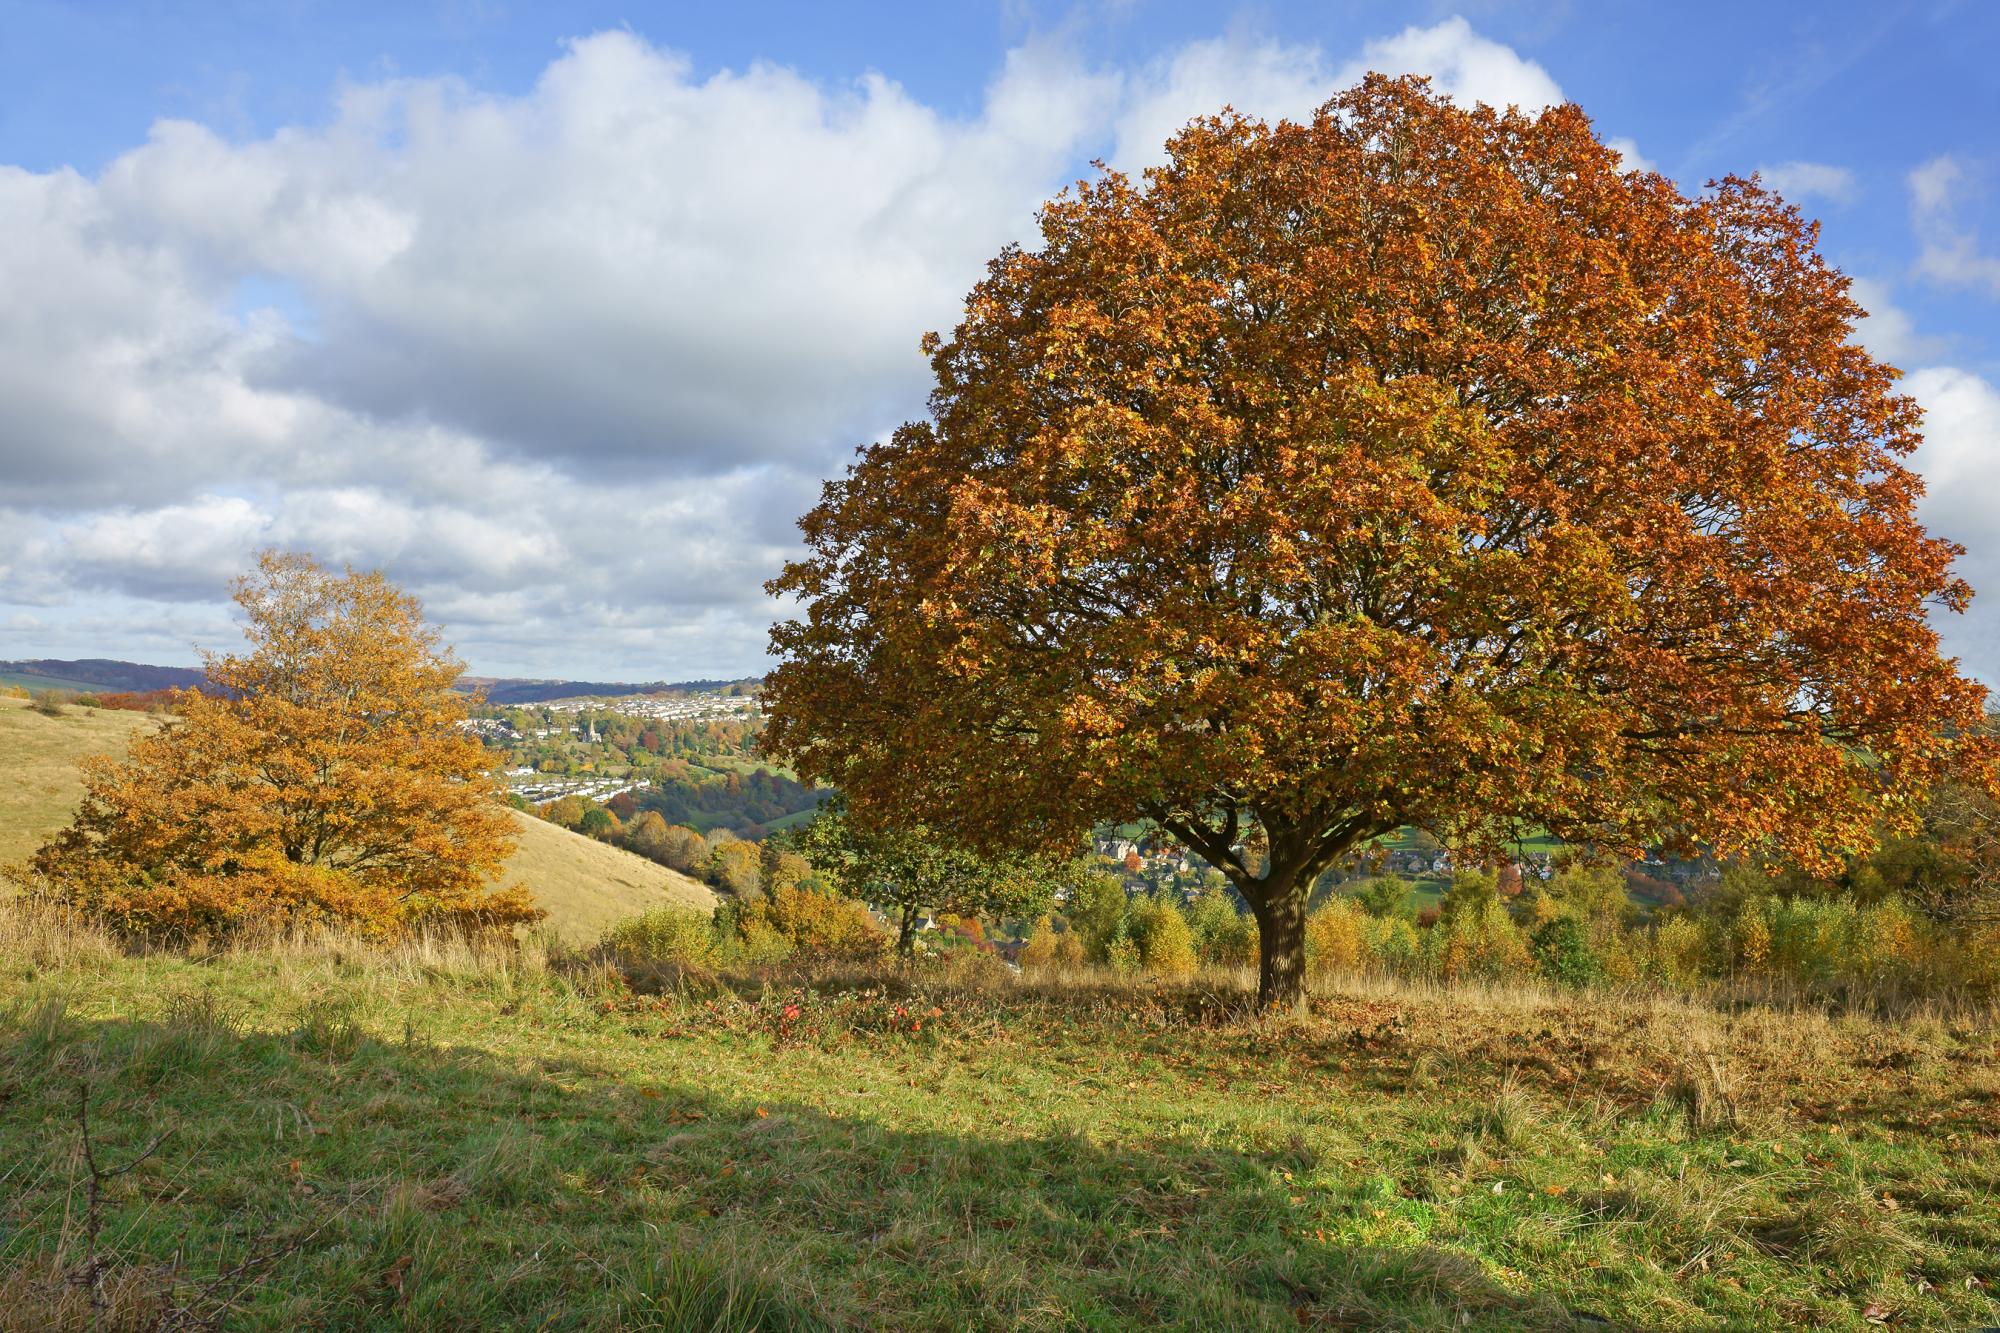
x,y
438,1135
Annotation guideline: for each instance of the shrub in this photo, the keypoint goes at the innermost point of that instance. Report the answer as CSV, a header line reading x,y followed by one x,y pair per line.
x,y
735,866
1096,912
679,935
1051,952
1563,952
1336,940
1224,935
1475,939
1122,956
1166,945
1680,951
807,922
49,703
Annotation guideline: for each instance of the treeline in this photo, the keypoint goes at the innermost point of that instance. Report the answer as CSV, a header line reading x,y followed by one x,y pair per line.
x,y
719,858
743,802
1853,935
54,702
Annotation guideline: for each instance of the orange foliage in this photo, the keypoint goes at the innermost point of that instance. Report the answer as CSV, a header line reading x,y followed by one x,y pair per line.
x,y
323,776
1413,465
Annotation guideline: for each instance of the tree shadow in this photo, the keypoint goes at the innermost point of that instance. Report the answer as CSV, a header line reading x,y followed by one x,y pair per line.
x,y
417,1186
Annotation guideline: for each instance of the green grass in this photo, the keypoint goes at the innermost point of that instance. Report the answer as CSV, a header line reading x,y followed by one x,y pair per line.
x,y
459,1142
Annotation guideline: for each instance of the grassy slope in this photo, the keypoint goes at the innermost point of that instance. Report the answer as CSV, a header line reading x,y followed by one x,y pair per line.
x,y
39,782
585,885
507,1148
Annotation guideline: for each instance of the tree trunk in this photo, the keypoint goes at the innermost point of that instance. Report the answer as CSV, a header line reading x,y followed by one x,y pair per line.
x,y
906,937
1280,909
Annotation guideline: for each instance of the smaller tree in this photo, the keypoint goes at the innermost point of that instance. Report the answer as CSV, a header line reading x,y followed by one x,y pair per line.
x,y
324,775
906,873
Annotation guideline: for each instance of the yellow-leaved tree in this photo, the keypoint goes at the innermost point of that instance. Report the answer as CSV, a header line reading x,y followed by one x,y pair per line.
x,y
321,776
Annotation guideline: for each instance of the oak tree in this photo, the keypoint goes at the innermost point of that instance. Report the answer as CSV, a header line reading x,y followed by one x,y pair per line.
x,y
323,775
1416,464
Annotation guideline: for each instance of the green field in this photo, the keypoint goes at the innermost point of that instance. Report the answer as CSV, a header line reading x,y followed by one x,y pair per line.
x,y
429,1140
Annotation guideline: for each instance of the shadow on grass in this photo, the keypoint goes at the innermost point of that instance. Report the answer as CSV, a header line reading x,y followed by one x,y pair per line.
x,y
426,1187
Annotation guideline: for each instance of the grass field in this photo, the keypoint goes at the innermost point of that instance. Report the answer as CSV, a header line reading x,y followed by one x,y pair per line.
x,y
39,782
428,1140
583,884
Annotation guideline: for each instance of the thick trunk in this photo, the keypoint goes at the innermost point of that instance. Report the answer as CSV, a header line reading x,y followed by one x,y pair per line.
x,y
1280,909
906,937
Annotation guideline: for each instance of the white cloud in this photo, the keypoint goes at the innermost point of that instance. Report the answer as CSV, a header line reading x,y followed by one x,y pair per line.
x,y
1270,80
1629,156
1960,463
1950,251
1886,330
566,363
1800,181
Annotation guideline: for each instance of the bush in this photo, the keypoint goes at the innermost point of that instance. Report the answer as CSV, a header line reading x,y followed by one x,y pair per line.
x,y
798,920
1051,952
678,935
1336,940
1475,939
1166,945
49,703
1224,935
1680,951
1096,912
1562,951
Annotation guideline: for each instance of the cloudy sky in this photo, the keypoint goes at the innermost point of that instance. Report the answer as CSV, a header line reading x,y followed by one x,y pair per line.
x,y
559,313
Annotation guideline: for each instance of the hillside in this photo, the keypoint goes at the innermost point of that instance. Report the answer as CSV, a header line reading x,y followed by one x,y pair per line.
x,y
98,673
39,782
584,885
431,1139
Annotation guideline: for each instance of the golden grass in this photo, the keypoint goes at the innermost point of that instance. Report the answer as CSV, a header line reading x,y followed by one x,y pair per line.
x,y
584,885
40,786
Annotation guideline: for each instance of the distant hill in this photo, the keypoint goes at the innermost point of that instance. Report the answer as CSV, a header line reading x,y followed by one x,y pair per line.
x,y
101,673
98,673
514,690
584,885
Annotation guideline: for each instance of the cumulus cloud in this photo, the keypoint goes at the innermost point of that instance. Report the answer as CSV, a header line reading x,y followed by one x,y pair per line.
x,y
1272,79
1950,251
1886,329
1960,463
1800,181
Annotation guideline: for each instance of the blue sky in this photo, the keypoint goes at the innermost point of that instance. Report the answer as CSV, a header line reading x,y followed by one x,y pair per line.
x,y
560,312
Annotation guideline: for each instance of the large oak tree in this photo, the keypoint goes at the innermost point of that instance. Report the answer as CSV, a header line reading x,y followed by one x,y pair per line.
x,y
322,776
1414,465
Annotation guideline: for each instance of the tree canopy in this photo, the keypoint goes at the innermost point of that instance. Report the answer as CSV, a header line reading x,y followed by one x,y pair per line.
x,y
1412,465
321,776
906,871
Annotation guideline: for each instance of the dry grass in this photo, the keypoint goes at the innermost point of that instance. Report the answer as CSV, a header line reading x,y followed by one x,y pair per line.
x,y
586,885
40,786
